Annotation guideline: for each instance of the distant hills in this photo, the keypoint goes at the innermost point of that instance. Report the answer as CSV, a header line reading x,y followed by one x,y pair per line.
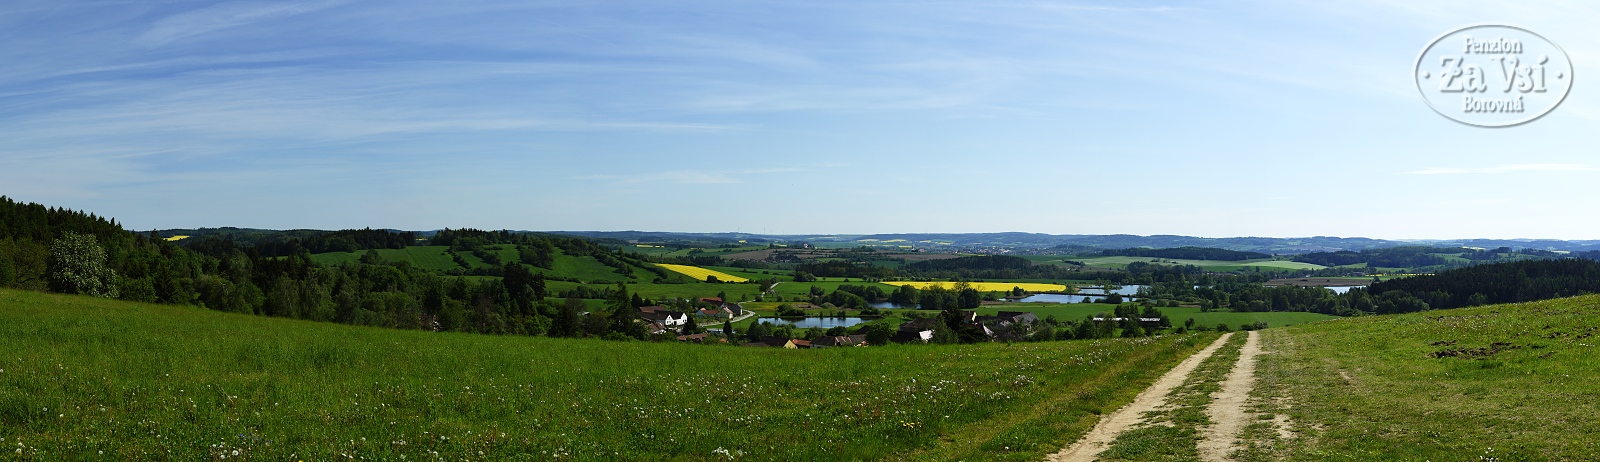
x,y
1072,243
1012,242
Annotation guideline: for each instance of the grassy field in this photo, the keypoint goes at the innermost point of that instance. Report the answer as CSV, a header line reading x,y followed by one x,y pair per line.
x,y
1504,382
84,378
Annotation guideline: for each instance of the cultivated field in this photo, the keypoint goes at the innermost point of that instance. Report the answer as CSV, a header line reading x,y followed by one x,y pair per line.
x,y
84,378
986,286
700,274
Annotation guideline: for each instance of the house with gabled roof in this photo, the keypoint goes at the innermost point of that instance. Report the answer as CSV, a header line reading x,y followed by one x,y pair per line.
x,y
830,341
662,315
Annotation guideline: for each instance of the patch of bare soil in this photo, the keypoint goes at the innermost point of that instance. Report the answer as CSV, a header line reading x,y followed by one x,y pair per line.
x,y
1227,409
1482,352
1128,416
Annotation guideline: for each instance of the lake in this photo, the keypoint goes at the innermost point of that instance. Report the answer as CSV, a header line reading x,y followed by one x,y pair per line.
x,y
1341,289
809,322
1125,290
1060,298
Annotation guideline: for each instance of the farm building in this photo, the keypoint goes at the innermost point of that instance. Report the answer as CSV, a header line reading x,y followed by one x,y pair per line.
x,y
663,315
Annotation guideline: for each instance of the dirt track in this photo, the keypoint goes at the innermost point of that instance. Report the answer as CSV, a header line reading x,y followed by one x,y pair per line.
x,y
1227,408
1090,446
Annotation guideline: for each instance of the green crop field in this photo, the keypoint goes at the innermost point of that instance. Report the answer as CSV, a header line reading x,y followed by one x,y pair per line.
x,y
85,378
585,268
1504,382
436,258
432,257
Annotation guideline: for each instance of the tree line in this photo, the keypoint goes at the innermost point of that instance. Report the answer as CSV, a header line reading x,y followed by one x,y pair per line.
x,y
1187,253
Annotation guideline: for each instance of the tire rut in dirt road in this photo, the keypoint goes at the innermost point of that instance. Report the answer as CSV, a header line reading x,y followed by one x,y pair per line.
x,y
1227,409
1092,443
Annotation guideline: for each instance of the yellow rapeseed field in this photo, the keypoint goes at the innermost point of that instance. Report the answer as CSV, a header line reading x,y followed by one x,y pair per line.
x,y
176,238
987,286
701,273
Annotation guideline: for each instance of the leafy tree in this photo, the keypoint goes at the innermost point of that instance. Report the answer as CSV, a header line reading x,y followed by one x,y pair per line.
x,y
77,265
690,326
624,317
757,331
1086,330
878,333
904,295
968,298
523,285
566,323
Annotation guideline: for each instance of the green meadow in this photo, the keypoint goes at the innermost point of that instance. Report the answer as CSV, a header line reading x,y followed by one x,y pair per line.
x,y
86,378
1503,382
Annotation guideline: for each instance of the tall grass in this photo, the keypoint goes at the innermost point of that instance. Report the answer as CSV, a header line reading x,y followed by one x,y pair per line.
x,y
84,378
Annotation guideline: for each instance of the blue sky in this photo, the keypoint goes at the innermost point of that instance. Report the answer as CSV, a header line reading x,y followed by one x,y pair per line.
x,y
1272,118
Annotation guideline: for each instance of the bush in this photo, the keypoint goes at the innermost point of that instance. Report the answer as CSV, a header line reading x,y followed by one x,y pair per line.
x,y
1223,327
77,265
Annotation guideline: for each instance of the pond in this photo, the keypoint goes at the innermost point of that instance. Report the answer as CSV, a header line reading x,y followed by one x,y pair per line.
x,y
1060,298
1097,290
890,305
809,322
1341,289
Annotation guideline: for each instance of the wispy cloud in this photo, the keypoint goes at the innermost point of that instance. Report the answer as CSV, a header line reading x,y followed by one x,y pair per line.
x,y
1507,169
224,16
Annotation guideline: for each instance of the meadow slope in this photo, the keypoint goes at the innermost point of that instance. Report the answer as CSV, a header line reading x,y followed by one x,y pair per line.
x,y
84,378
1502,382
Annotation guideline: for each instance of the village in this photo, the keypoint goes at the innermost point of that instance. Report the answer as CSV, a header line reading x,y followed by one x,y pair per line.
x,y
661,321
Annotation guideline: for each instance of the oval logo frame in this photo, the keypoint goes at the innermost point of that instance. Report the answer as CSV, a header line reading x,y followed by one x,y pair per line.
x,y
1493,75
